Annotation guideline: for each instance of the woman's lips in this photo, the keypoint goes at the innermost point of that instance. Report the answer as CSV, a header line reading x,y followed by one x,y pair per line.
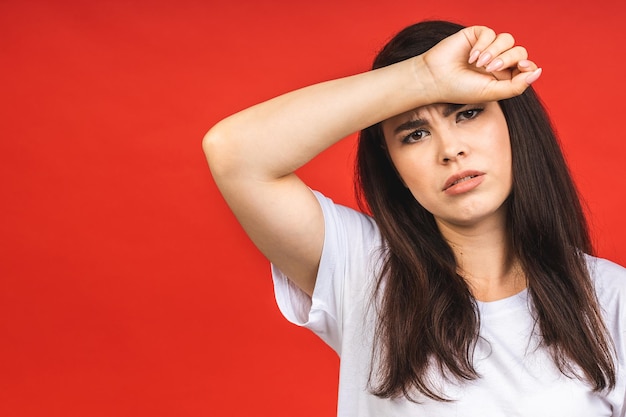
x,y
463,182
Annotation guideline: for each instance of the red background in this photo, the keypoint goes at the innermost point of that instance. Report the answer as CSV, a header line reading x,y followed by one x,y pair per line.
x,y
126,287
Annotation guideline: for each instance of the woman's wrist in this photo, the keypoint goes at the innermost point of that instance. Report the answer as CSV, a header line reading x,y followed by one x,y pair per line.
x,y
423,83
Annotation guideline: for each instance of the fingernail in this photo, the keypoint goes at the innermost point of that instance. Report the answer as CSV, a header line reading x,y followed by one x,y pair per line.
x,y
524,63
484,58
495,65
473,57
533,76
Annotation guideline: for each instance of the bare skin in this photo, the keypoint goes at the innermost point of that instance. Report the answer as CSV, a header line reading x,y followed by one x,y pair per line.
x,y
254,153
456,161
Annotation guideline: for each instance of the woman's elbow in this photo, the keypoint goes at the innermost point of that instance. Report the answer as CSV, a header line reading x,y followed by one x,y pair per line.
x,y
215,145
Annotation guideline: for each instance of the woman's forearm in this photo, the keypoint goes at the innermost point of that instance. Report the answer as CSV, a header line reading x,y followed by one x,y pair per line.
x,y
274,138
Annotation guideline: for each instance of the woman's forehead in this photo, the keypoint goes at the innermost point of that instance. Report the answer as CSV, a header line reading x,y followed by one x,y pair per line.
x,y
429,111
425,112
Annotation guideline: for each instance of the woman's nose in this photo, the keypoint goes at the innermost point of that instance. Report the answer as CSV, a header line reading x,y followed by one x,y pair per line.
x,y
448,159
452,147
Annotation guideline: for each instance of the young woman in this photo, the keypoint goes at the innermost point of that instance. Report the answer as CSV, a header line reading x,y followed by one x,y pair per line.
x,y
469,290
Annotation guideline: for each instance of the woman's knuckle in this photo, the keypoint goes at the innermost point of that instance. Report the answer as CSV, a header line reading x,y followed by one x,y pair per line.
x,y
507,37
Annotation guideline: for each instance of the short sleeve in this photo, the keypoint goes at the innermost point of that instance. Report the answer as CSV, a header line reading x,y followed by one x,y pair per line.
x,y
350,240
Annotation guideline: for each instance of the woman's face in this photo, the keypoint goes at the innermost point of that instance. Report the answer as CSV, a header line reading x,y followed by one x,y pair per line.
x,y
455,160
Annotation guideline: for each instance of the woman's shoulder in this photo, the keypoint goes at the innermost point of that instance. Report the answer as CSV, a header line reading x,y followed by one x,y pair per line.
x,y
350,221
604,269
609,278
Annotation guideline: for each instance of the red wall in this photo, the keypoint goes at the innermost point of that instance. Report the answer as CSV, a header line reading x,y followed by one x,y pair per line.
x,y
126,287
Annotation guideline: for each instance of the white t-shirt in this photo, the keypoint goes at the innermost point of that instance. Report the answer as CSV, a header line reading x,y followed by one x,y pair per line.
x,y
518,378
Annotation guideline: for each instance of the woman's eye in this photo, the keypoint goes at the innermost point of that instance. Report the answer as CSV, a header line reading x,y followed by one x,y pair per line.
x,y
468,114
415,136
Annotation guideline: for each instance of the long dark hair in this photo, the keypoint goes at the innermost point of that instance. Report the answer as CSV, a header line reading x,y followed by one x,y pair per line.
x,y
427,314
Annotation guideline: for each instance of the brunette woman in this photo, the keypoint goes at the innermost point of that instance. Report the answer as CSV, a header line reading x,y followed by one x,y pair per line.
x,y
469,288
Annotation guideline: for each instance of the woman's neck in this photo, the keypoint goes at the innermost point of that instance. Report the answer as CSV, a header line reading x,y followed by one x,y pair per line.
x,y
485,259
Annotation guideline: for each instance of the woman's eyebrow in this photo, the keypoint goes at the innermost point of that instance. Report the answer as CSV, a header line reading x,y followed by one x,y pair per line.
x,y
451,108
410,125
448,110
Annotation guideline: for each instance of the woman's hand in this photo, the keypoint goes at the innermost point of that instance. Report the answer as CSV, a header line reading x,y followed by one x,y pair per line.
x,y
476,65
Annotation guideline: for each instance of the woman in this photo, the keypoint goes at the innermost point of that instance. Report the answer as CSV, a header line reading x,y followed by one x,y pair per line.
x,y
469,291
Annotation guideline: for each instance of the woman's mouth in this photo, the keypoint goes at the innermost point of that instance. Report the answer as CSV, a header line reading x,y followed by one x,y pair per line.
x,y
463,179
462,182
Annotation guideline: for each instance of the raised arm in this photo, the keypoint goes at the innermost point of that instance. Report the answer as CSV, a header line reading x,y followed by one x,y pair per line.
x,y
254,153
